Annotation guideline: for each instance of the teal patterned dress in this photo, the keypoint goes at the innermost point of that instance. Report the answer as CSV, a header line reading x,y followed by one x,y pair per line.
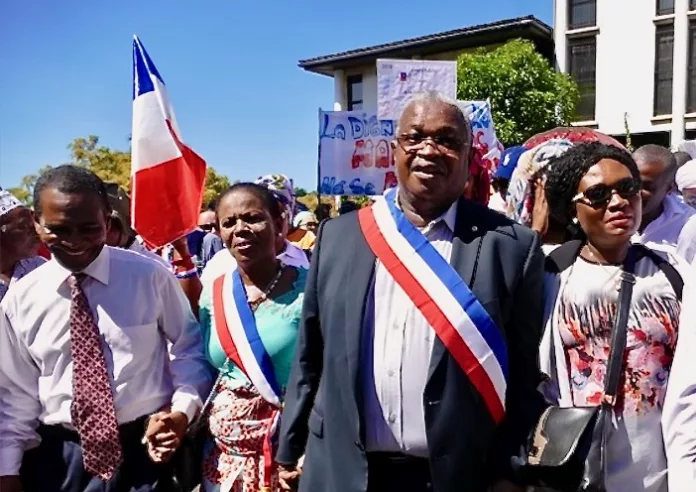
x,y
239,418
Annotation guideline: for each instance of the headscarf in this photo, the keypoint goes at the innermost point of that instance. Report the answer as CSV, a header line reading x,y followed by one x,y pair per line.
x,y
8,202
519,202
282,187
303,218
686,176
543,148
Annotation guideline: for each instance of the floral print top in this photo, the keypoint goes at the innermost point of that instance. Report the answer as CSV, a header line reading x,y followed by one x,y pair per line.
x,y
585,316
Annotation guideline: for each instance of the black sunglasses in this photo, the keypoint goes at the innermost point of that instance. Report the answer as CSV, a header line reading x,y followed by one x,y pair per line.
x,y
600,195
207,227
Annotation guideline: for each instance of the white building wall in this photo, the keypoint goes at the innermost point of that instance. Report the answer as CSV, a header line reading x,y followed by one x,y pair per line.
x,y
625,69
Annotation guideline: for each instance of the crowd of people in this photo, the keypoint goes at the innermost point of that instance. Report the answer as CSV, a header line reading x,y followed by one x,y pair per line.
x,y
415,344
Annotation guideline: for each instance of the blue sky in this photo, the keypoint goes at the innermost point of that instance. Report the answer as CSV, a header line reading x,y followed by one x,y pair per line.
x,y
230,67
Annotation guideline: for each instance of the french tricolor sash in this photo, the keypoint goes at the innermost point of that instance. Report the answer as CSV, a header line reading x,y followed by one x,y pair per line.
x,y
444,299
236,329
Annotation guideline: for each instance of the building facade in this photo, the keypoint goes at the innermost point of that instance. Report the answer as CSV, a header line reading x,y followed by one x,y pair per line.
x,y
634,63
355,72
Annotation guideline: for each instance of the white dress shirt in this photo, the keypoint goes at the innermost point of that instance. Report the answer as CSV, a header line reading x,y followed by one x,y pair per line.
x,y
679,410
151,340
674,231
223,261
396,347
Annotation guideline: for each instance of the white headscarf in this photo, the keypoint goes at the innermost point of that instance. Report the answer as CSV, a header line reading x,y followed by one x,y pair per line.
x,y
686,176
8,202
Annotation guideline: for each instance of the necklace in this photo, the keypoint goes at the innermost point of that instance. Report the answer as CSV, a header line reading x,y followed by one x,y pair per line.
x,y
264,294
612,275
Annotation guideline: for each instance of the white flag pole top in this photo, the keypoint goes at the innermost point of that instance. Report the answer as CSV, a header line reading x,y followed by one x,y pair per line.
x,y
167,176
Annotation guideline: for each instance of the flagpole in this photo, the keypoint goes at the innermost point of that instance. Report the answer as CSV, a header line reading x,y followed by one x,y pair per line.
x,y
319,160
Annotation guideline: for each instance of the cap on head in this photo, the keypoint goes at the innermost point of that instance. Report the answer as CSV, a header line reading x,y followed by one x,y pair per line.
x,y
8,202
686,176
508,162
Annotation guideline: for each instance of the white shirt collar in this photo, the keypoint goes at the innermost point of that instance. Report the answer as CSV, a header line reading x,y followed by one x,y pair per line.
x,y
98,269
449,217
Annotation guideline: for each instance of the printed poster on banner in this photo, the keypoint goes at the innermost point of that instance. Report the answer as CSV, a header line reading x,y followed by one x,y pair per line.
x,y
486,144
356,157
398,80
355,154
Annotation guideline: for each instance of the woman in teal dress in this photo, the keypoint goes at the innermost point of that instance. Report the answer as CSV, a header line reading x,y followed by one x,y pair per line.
x,y
242,418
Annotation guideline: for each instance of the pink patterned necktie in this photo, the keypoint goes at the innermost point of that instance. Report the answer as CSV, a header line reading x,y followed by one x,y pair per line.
x,y
93,411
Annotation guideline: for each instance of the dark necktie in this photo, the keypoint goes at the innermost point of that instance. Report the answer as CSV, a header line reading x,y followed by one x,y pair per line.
x,y
93,411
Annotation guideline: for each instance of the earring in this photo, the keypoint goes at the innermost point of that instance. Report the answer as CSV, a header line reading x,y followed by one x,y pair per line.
x,y
575,220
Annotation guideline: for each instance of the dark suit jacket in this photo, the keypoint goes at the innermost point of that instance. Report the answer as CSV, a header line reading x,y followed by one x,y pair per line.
x,y
503,265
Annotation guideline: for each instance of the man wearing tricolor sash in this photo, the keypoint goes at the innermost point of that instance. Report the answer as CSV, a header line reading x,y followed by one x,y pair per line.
x,y
416,365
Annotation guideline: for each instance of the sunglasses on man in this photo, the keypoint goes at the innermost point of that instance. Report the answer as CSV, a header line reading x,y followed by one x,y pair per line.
x,y
600,195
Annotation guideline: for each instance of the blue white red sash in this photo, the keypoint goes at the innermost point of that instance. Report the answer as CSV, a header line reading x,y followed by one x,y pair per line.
x,y
236,329
444,299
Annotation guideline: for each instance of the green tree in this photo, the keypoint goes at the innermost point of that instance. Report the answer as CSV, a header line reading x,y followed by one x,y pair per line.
x,y
215,183
25,191
112,166
300,192
527,95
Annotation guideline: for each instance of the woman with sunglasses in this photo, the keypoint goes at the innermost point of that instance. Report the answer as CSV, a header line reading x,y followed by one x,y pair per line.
x,y
597,187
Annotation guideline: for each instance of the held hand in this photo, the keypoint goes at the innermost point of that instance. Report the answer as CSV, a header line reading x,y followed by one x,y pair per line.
x,y
181,249
540,213
288,477
10,484
164,434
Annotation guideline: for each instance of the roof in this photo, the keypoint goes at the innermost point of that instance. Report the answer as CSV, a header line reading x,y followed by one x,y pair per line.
x,y
458,39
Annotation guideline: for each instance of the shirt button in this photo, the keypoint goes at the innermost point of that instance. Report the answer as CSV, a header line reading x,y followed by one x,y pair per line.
x,y
392,418
474,228
390,373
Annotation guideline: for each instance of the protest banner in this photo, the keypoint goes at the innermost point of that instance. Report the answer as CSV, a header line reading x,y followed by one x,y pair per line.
x,y
398,80
486,143
356,157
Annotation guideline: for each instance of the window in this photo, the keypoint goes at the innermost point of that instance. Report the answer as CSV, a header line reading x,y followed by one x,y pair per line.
x,y
582,60
666,7
582,13
691,82
692,4
664,49
355,92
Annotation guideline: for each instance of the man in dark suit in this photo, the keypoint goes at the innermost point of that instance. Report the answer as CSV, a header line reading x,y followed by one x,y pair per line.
x,y
375,399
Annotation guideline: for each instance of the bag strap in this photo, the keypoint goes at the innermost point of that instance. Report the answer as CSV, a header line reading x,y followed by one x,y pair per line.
x,y
665,267
619,335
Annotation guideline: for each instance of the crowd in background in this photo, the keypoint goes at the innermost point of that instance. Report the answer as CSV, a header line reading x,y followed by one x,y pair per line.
x,y
274,348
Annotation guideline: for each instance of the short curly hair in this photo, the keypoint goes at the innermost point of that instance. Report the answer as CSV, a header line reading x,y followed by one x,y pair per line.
x,y
564,176
71,179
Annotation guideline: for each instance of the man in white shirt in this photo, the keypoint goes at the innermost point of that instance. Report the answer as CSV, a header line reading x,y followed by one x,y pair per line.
x,y
92,344
668,224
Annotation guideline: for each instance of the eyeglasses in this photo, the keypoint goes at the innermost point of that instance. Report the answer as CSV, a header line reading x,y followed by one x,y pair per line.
x,y
207,227
412,142
600,195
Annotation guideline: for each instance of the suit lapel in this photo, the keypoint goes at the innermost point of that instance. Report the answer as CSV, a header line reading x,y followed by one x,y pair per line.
x,y
358,288
465,245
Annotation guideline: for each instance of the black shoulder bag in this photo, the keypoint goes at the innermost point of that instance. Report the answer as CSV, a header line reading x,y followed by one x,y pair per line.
x,y
567,449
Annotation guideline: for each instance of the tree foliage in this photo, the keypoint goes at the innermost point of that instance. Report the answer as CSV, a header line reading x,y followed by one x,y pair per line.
x,y
112,166
215,183
527,95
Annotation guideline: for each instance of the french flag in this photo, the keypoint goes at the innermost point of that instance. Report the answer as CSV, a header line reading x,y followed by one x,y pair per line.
x,y
167,176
